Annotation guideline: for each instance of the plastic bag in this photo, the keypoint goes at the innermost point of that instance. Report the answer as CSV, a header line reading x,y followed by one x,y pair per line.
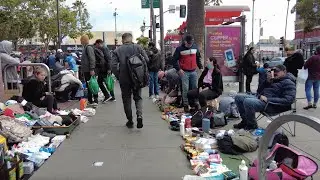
x,y
302,75
109,82
93,85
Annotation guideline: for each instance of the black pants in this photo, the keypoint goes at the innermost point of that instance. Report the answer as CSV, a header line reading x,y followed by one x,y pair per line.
x,y
102,86
203,96
72,88
87,77
248,83
49,102
126,93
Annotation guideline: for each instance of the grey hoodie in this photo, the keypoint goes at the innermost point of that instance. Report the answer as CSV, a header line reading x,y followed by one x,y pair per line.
x,y
6,59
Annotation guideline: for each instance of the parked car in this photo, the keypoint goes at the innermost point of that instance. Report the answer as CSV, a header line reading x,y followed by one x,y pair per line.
x,y
276,61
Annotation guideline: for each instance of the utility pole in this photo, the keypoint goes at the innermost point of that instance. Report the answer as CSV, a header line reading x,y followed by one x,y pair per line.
x,y
153,23
162,32
59,29
285,31
252,22
115,27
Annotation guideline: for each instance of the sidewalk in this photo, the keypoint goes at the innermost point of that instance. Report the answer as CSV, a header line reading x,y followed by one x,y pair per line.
x,y
150,153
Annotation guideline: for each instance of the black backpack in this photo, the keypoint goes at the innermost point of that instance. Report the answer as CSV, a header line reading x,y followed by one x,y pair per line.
x,y
138,70
100,61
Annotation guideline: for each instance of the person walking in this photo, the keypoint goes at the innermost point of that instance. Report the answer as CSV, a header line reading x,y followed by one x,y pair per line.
x,y
104,68
313,66
186,59
294,62
155,64
88,66
120,69
249,68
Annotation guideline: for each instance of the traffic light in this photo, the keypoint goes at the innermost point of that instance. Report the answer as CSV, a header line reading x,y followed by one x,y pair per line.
x,y
157,25
183,11
282,40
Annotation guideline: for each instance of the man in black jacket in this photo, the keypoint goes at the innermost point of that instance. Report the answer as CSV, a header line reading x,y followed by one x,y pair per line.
x,y
104,69
120,69
155,64
249,68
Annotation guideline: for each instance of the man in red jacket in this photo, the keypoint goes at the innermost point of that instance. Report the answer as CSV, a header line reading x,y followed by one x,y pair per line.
x,y
186,59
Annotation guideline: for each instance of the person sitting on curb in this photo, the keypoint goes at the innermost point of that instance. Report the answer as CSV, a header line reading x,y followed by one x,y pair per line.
x,y
279,91
35,91
210,85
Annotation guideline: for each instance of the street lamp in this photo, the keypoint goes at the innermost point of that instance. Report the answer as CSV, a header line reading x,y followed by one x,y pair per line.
x,y
285,31
115,27
252,22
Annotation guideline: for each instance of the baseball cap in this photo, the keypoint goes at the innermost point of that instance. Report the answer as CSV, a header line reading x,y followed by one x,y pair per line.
x,y
59,51
279,67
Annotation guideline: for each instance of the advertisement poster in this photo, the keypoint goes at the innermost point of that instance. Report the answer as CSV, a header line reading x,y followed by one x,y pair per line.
x,y
223,43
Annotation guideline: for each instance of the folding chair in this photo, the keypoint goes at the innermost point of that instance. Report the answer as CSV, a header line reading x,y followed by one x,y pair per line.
x,y
273,109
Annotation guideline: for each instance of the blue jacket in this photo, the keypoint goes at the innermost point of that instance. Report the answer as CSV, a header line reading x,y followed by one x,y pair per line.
x,y
281,91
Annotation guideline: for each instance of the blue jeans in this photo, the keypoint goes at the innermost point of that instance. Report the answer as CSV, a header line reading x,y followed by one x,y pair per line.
x,y
153,84
315,84
189,82
248,105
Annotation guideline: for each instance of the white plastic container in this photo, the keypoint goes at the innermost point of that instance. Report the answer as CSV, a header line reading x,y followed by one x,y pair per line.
x,y
243,171
182,129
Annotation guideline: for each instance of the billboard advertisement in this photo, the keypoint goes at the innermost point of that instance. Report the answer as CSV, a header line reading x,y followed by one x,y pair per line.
x,y
223,43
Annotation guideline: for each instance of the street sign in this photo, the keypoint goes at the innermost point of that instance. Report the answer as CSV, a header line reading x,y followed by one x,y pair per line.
x,y
146,4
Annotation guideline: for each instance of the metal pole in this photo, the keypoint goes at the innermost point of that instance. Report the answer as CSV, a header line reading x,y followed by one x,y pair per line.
x,y
115,27
260,23
242,46
58,23
285,31
162,32
152,20
252,22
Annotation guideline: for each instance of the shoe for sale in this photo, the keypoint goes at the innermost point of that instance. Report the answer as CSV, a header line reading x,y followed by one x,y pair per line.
x,y
314,106
239,126
308,107
157,97
106,99
139,123
129,124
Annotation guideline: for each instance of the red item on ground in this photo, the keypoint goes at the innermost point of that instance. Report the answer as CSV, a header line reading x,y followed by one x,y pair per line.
x,y
8,112
83,104
188,123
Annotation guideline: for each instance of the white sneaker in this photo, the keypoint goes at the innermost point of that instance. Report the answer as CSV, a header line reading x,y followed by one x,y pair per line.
x,y
151,97
157,97
106,99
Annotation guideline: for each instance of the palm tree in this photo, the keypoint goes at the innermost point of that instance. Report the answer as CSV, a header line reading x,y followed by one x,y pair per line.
x,y
195,19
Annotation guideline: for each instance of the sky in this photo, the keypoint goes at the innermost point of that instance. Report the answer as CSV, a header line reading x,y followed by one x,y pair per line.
x,y
130,16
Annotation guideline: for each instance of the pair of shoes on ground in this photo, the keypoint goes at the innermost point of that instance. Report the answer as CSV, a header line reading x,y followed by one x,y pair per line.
x,y
244,126
130,123
314,106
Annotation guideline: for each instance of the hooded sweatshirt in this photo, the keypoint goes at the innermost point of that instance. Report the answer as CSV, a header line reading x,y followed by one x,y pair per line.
x,y
67,79
6,59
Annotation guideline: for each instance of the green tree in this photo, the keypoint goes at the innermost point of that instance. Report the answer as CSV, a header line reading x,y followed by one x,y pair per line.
x,y
82,17
309,11
195,19
143,41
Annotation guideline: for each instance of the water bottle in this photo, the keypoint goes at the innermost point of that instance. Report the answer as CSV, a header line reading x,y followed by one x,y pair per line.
x,y
182,129
243,171
206,125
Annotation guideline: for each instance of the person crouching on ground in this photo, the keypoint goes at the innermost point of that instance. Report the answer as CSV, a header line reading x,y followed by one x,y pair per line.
x,y
279,91
69,86
210,85
35,91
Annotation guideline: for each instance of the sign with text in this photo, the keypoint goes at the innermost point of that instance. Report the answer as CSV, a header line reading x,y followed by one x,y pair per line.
x,y
146,4
223,43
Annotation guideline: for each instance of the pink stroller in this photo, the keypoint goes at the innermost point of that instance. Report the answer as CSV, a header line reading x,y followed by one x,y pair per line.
x,y
291,165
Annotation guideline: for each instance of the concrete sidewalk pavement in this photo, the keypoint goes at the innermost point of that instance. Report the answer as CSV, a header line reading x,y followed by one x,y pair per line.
x,y
150,153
